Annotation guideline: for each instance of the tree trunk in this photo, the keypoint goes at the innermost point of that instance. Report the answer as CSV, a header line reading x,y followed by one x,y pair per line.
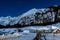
x,y
38,36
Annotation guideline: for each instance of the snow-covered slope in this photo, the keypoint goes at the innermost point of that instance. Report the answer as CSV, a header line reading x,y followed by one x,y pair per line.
x,y
14,20
37,16
33,11
5,20
28,13
34,15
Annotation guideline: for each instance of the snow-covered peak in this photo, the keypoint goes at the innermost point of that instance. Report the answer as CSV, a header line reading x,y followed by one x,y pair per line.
x,y
14,20
27,17
32,11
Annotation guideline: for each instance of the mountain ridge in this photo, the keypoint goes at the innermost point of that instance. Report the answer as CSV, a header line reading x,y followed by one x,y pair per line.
x,y
33,17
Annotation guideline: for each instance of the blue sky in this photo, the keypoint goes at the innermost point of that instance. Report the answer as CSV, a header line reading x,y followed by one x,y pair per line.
x,y
17,7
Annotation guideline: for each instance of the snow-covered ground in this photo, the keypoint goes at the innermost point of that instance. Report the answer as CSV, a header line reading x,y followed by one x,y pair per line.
x,y
31,36
53,37
28,35
24,37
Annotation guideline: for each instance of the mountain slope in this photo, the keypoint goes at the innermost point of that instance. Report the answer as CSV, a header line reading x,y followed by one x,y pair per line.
x,y
33,17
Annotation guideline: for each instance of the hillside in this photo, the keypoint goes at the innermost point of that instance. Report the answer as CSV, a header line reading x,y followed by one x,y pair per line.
x,y
44,16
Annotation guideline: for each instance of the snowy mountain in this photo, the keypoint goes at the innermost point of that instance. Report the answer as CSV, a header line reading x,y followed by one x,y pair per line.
x,y
37,16
33,16
14,20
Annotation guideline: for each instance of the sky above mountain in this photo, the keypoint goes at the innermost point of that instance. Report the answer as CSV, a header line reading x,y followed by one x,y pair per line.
x,y
17,7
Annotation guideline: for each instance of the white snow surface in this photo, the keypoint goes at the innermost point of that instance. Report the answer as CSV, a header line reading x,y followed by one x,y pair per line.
x,y
54,27
32,11
27,35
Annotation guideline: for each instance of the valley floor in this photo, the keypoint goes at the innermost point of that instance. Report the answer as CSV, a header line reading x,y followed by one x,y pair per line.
x,y
30,36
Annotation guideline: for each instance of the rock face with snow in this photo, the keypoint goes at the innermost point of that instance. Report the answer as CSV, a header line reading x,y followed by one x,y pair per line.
x,y
7,20
33,17
41,16
36,16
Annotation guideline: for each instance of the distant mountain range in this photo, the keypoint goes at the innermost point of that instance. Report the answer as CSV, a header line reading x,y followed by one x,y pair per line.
x,y
33,17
